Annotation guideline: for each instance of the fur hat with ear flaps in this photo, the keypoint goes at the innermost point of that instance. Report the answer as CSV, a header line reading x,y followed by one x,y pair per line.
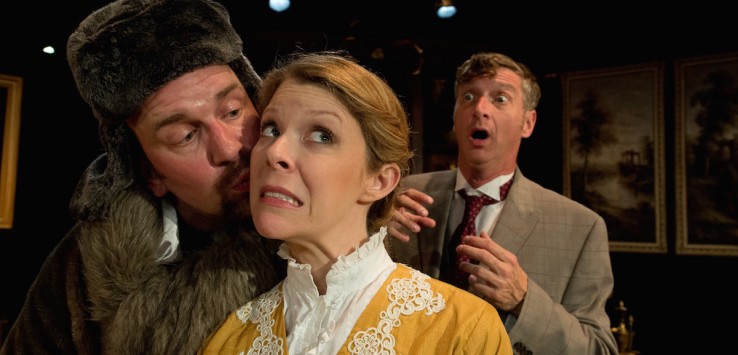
x,y
124,52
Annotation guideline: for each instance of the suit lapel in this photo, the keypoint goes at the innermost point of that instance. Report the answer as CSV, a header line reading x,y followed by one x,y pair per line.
x,y
431,241
515,222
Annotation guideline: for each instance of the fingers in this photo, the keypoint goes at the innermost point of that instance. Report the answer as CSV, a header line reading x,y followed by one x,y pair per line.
x,y
498,275
484,281
483,245
490,257
480,257
394,230
419,197
505,292
404,222
401,224
410,215
411,204
420,221
495,286
413,200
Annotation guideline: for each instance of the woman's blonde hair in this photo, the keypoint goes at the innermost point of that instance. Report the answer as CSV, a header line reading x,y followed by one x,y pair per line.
x,y
367,97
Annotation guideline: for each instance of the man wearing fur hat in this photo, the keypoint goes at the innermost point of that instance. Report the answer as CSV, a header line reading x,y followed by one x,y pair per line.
x,y
152,265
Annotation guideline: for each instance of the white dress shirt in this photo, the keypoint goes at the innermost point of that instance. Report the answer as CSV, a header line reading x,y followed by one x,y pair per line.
x,y
169,246
487,217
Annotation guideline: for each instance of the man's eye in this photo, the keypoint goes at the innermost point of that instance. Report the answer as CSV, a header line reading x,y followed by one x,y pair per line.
x,y
269,130
183,138
234,113
468,97
501,99
321,136
188,137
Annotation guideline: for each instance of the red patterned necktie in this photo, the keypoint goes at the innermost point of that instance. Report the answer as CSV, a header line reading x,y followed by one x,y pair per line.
x,y
474,204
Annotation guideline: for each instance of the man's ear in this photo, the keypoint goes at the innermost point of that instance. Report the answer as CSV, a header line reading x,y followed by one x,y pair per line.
x,y
529,123
157,186
154,179
381,183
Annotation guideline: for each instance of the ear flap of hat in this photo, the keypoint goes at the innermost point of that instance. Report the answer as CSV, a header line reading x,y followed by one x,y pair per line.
x,y
109,174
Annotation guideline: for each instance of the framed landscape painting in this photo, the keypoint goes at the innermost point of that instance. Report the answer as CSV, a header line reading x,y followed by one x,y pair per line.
x,y
614,155
706,150
11,88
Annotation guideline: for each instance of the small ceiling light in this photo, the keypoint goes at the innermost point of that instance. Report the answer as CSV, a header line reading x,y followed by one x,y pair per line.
x,y
49,50
279,5
446,9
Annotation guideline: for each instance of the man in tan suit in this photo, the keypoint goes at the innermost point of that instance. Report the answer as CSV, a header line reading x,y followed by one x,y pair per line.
x,y
541,259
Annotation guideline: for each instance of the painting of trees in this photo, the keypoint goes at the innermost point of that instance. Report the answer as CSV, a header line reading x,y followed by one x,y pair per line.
x,y
707,155
592,131
613,128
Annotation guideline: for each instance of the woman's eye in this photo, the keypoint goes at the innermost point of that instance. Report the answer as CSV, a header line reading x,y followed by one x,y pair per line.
x,y
269,130
321,136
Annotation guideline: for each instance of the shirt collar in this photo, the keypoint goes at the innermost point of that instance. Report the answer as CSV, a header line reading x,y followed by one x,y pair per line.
x,y
169,246
491,189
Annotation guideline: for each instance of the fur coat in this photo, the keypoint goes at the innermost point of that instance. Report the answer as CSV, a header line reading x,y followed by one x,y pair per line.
x,y
101,290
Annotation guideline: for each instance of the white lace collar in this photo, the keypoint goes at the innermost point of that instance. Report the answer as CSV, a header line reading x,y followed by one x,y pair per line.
x,y
350,272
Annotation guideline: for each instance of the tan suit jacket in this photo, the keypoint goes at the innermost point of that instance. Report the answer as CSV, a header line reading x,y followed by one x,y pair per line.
x,y
562,246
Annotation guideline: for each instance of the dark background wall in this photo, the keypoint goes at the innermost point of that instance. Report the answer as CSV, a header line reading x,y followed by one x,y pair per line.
x,y
679,302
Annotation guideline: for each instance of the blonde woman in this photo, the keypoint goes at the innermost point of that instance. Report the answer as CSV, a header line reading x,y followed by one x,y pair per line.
x,y
334,145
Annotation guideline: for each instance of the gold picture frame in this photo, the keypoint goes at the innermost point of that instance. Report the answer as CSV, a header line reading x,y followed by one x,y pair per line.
x,y
614,151
706,155
11,89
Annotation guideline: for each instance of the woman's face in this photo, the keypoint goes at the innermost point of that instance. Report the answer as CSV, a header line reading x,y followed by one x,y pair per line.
x,y
309,181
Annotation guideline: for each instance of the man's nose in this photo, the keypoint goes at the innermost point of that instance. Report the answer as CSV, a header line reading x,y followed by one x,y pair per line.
x,y
225,143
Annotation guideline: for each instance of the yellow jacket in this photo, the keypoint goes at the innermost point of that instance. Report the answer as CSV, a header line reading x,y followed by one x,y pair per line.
x,y
411,314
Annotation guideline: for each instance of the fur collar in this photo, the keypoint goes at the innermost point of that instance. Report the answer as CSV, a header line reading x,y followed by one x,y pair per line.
x,y
145,307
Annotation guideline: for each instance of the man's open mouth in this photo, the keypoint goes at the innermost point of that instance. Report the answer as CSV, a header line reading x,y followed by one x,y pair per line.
x,y
480,134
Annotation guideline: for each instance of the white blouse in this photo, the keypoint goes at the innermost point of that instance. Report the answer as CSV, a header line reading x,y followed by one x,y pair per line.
x,y
320,324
